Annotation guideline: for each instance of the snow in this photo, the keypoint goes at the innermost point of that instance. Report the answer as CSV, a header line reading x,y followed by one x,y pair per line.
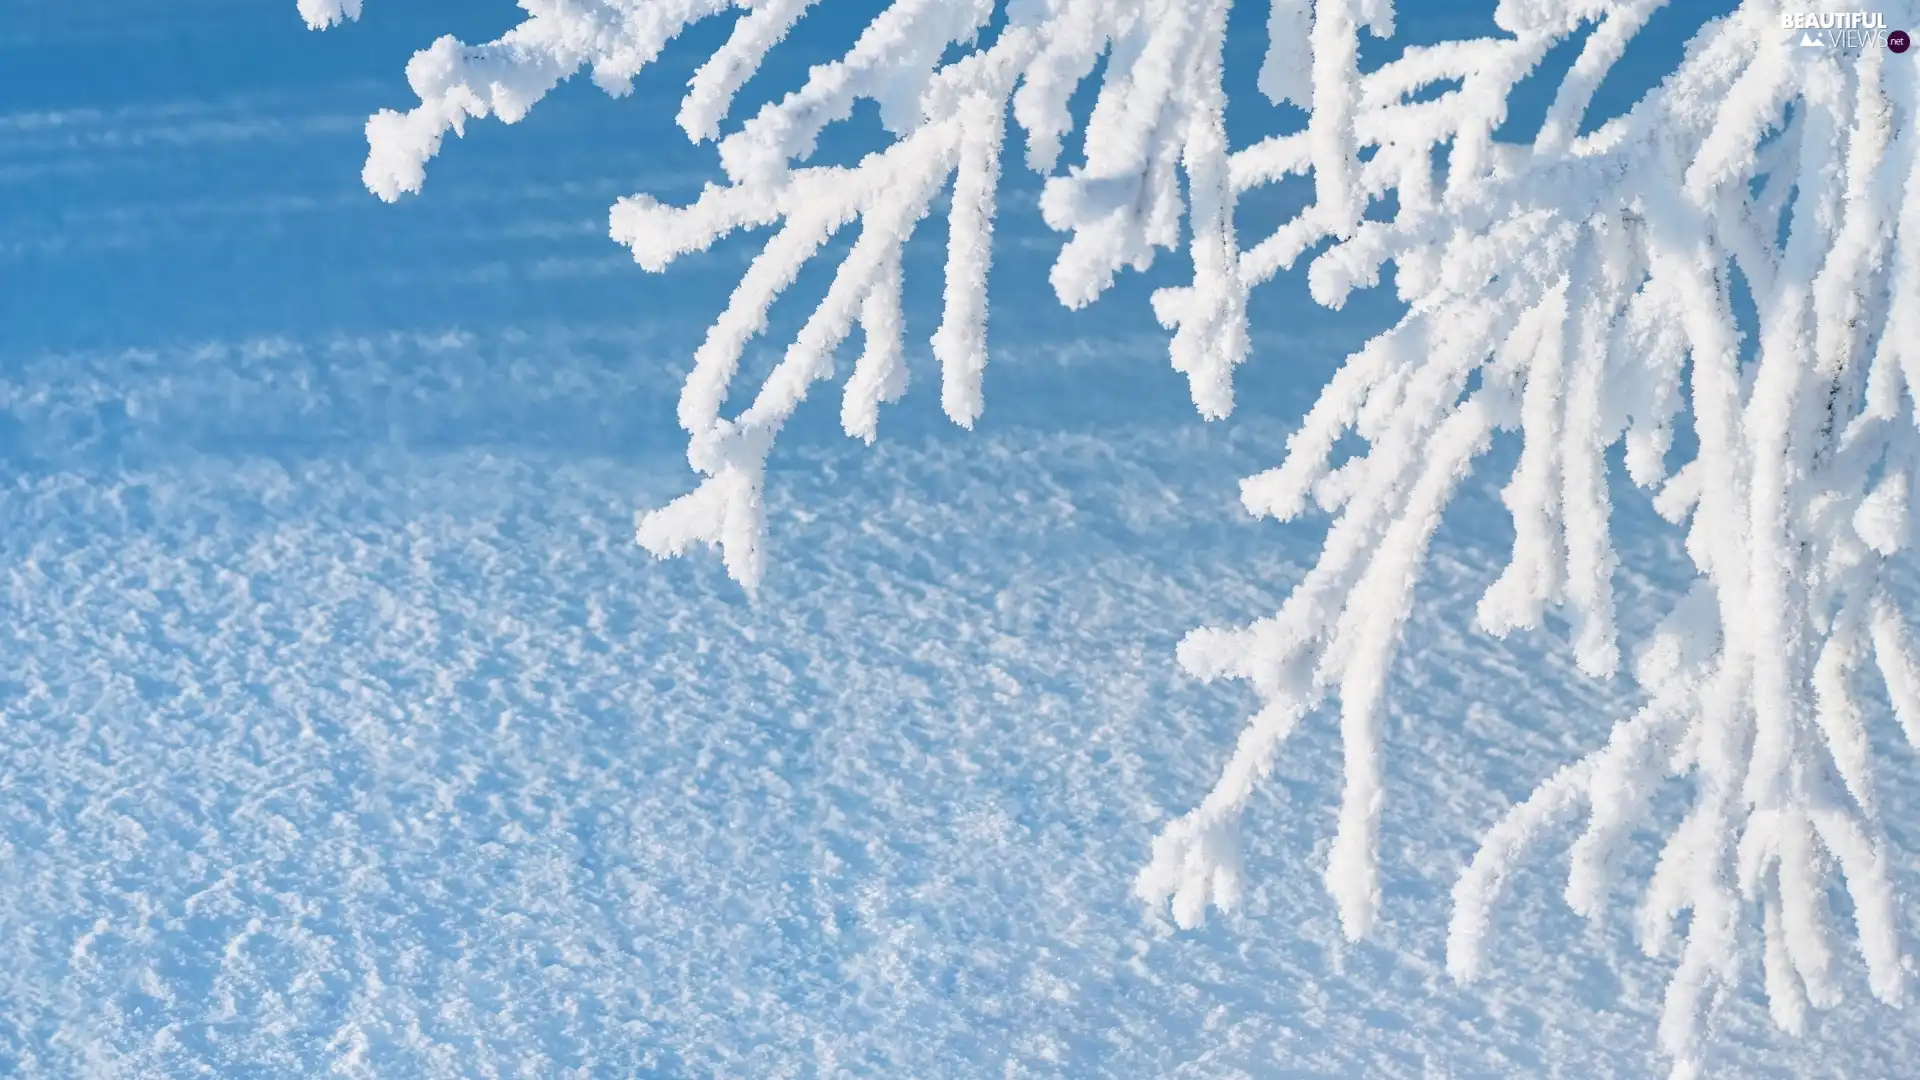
x,y
348,731
345,730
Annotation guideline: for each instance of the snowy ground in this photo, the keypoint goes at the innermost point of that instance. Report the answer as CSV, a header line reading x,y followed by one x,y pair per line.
x,y
343,729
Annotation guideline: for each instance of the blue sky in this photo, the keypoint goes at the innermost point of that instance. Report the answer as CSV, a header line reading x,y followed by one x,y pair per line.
x,y
345,729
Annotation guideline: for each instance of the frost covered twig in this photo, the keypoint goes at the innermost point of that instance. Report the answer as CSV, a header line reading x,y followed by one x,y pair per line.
x,y
1579,290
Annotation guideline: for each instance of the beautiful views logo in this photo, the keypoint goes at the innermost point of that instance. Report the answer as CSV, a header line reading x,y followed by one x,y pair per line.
x,y
1848,31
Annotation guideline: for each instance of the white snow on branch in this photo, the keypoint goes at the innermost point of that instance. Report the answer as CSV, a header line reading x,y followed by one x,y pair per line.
x,y
1577,290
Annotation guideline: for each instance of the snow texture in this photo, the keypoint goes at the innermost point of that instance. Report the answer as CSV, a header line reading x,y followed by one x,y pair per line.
x,y
347,737
1582,289
342,732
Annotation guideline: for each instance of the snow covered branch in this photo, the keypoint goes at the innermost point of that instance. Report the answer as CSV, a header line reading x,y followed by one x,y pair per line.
x,y
1578,279
1585,289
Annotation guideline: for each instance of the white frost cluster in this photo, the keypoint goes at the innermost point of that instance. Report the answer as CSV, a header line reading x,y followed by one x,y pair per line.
x,y
1579,290
321,14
